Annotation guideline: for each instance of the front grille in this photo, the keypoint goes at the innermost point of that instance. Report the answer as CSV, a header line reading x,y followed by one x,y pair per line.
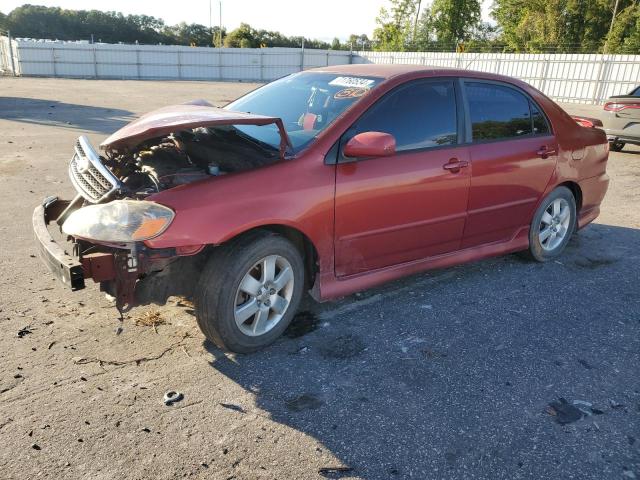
x,y
89,176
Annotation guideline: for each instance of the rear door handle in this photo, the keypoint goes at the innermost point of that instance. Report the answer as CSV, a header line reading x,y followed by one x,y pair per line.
x,y
455,165
546,152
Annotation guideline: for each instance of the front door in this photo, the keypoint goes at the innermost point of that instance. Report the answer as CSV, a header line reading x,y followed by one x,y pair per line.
x,y
411,205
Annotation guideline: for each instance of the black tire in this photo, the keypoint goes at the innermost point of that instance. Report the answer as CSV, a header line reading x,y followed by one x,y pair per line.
x,y
536,250
215,295
616,146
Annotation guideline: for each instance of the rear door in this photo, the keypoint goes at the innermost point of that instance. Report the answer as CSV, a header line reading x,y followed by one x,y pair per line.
x,y
410,205
513,155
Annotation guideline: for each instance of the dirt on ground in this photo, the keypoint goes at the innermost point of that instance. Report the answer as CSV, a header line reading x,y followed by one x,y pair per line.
x,y
497,369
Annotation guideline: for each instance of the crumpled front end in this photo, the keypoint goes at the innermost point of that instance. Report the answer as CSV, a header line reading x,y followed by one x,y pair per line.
x,y
105,227
133,274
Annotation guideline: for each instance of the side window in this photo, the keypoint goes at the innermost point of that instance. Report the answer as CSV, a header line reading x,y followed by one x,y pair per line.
x,y
497,112
540,125
419,115
636,92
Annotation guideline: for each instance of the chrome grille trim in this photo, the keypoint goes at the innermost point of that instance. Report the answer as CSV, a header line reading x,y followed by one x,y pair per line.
x,y
89,176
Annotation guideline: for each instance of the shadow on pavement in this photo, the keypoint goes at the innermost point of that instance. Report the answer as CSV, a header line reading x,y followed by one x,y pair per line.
x,y
61,114
449,374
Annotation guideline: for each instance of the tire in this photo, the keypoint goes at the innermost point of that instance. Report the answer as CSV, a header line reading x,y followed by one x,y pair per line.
x,y
545,243
616,146
219,297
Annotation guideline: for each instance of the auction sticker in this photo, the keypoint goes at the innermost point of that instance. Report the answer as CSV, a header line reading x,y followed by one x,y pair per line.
x,y
352,82
350,92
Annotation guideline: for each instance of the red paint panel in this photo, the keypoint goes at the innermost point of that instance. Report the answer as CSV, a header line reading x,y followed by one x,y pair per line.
x,y
508,179
397,209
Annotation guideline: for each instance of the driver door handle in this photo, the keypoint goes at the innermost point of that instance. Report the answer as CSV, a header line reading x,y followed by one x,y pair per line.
x,y
546,152
454,165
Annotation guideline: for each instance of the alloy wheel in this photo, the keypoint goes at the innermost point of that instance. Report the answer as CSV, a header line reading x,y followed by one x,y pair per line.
x,y
554,224
264,295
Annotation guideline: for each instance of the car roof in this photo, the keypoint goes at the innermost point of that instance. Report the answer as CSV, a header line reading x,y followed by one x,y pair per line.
x,y
388,71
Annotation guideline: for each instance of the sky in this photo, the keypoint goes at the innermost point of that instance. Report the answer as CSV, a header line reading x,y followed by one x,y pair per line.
x,y
318,19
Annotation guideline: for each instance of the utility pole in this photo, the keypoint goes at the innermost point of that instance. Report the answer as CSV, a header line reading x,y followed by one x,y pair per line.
x,y
213,38
613,20
220,26
415,24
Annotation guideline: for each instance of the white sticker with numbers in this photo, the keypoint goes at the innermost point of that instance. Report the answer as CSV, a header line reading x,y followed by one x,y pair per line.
x,y
352,82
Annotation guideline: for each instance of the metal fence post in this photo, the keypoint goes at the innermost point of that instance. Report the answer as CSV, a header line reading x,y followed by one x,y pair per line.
x,y
53,61
138,63
545,73
598,86
302,57
95,63
13,65
262,64
179,65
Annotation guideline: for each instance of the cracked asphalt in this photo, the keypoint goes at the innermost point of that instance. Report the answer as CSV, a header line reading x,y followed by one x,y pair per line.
x,y
445,375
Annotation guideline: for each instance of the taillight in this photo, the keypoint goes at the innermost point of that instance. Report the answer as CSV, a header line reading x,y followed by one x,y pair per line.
x,y
583,122
616,107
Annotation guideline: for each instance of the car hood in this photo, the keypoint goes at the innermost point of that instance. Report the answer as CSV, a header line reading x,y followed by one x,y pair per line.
x,y
183,117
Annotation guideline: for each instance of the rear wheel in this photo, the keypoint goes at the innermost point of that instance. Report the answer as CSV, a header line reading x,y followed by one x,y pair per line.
x,y
616,146
249,292
552,225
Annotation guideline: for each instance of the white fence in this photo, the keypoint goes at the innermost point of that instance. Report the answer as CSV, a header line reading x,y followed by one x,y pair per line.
x,y
7,56
565,77
581,78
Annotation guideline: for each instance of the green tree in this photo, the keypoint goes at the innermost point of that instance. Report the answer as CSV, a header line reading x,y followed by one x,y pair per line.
x,y
335,44
566,25
454,21
395,27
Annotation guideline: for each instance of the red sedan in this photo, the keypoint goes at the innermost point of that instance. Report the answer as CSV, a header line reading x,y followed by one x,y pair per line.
x,y
331,180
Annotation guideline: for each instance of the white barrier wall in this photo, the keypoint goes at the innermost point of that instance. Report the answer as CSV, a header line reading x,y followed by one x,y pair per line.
x,y
565,77
168,62
582,78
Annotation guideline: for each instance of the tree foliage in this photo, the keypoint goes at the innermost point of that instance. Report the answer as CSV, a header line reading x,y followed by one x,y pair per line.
x,y
567,25
558,26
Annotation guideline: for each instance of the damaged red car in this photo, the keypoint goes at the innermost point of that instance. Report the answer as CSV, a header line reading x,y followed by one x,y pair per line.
x,y
330,181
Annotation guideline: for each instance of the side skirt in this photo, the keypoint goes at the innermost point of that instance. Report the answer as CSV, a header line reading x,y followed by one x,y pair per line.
x,y
333,287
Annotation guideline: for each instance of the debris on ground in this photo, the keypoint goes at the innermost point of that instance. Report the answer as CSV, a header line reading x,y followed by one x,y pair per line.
x,y
172,397
152,318
24,331
233,407
565,412
334,472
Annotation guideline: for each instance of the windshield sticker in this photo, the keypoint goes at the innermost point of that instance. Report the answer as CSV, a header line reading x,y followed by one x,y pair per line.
x,y
352,82
350,92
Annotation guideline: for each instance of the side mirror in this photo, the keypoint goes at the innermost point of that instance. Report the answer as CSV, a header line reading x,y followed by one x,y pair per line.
x,y
370,144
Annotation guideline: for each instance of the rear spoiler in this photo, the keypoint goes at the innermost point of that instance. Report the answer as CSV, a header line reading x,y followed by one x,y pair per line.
x,y
587,122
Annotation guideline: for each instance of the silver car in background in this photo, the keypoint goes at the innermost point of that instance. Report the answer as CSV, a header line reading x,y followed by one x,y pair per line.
x,y
622,119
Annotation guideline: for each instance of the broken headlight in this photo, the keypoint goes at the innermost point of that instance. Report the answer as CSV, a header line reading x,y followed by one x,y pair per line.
x,y
120,221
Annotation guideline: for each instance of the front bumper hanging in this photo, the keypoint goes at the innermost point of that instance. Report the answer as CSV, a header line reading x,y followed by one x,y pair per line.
x,y
66,268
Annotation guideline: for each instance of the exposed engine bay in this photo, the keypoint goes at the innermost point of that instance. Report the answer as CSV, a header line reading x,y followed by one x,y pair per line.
x,y
184,157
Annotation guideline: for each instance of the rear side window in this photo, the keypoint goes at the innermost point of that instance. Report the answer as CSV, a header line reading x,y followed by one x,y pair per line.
x,y
636,92
497,112
540,125
419,115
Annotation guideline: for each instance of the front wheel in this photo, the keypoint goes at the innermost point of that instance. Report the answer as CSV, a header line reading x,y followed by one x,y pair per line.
x,y
249,291
552,225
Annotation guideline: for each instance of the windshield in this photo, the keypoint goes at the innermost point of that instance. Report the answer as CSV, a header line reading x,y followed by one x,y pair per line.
x,y
307,103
